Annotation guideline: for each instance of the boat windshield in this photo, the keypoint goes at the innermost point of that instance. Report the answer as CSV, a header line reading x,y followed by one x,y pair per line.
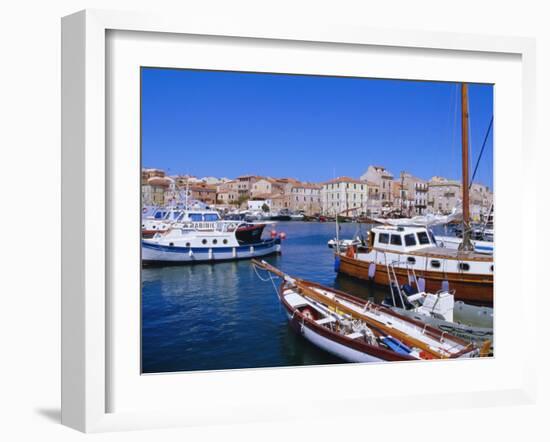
x,y
211,217
423,238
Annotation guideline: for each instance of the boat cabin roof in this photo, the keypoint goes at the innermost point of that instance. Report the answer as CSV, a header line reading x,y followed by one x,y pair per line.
x,y
417,240
198,215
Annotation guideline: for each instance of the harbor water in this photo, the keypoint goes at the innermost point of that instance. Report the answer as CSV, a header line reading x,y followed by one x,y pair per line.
x,y
222,316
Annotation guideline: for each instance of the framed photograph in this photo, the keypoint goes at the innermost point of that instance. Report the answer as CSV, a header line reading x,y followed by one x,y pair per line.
x,y
252,209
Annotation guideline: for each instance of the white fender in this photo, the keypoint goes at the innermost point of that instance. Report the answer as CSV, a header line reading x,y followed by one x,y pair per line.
x,y
372,270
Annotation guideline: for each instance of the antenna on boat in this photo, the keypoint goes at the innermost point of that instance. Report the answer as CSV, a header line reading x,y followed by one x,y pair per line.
x,y
337,235
466,244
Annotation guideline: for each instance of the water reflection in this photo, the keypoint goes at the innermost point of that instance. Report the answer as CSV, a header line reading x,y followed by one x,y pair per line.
x,y
221,316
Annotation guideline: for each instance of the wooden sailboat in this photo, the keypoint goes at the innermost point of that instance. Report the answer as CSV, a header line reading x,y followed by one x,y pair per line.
x,y
359,331
468,274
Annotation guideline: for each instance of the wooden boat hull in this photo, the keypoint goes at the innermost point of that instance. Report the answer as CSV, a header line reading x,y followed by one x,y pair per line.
x,y
340,346
469,288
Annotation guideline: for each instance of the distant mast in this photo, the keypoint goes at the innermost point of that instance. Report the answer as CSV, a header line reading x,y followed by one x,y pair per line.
x,y
466,244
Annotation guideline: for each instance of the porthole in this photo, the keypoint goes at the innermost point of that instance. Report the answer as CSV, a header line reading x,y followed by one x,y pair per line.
x,y
225,241
435,263
187,244
171,244
214,241
204,241
492,268
411,260
463,266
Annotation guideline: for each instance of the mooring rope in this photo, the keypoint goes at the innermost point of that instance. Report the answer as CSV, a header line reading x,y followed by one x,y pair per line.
x,y
269,278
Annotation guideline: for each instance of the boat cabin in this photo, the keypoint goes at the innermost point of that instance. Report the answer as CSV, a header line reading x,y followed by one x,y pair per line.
x,y
163,214
401,239
199,216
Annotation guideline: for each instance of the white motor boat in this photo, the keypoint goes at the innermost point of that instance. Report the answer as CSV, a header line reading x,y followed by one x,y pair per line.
x,y
209,241
470,322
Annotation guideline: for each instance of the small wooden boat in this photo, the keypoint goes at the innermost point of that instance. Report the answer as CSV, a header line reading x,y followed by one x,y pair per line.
x,y
468,273
359,331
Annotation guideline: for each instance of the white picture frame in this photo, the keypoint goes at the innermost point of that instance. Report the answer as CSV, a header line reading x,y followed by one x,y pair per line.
x,y
87,356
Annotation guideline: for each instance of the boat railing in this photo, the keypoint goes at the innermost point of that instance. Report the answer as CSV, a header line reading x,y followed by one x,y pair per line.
x,y
394,282
218,226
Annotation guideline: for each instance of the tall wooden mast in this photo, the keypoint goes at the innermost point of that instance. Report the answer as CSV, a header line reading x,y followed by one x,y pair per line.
x,y
466,234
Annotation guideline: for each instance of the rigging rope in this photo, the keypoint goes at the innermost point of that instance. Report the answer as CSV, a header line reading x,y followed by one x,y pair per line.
x,y
481,151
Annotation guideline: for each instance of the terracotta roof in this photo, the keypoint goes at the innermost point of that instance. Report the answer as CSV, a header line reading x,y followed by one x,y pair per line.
x,y
261,196
248,176
202,189
345,179
287,180
307,186
160,181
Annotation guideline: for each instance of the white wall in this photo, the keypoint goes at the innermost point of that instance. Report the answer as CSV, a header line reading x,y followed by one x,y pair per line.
x,y
30,145
257,205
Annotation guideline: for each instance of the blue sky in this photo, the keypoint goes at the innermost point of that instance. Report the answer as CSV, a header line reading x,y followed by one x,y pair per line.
x,y
209,123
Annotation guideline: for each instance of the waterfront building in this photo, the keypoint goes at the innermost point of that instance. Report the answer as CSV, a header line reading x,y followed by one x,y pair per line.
x,y
153,192
344,195
203,192
443,194
213,181
150,173
412,194
306,198
244,184
227,193
481,200
183,180
399,197
227,197
276,201
265,186
286,184
374,205
258,205
382,178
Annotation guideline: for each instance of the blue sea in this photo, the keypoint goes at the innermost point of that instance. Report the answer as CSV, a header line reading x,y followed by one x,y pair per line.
x,y
223,316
